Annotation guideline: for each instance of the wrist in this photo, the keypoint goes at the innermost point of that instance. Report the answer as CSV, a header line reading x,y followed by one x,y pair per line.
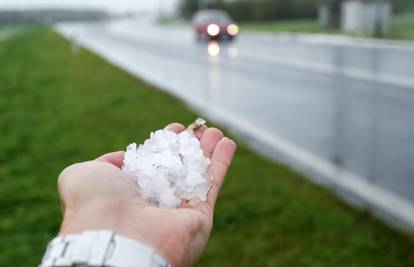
x,y
100,248
87,220
78,222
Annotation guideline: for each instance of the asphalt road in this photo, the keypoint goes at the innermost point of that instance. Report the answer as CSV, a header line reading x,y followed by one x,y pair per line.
x,y
346,102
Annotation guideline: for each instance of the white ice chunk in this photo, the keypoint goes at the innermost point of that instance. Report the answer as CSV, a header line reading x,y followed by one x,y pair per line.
x,y
169,168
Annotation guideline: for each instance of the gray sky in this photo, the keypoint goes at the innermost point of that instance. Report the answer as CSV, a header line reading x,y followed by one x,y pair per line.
x,y
113,5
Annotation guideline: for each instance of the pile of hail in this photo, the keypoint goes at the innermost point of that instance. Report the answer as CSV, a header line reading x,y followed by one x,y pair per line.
x,y
170,167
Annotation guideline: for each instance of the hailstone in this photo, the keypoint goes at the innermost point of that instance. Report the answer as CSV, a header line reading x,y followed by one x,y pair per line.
x,y
169,167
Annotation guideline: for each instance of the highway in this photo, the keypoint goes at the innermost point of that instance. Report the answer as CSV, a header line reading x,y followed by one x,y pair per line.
x,y
326,105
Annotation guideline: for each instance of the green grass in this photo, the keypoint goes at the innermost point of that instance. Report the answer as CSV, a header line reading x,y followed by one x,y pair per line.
x,y
172,21
402,27
296,26
8,31
57,108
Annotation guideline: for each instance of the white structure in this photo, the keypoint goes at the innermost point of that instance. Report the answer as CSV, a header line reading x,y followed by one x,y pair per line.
x,y
368,17
168,8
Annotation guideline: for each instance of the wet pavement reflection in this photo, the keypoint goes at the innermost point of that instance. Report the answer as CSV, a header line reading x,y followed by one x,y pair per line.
x,y
352,105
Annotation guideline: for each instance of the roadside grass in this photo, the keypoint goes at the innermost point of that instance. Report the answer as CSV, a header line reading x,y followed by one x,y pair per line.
x,y
5,32
293,26
57,108
402,27
172,21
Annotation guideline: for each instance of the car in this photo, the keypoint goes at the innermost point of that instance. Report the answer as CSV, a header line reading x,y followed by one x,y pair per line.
x,y
212,24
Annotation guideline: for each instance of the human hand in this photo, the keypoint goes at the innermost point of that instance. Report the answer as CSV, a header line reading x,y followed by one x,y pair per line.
x,y
98,195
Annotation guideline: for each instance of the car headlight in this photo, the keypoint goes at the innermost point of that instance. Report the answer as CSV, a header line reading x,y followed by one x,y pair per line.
x,y
232,29
213,29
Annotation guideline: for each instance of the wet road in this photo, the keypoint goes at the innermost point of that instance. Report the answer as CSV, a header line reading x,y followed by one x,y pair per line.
x,y
346,103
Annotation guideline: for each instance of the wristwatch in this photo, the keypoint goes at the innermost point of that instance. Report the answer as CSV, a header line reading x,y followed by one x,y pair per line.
x,y
100,248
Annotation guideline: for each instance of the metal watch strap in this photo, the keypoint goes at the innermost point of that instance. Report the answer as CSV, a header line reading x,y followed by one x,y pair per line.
x,y
99,248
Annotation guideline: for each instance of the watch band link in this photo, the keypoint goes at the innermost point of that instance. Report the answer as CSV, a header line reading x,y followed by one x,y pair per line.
x,y
99,248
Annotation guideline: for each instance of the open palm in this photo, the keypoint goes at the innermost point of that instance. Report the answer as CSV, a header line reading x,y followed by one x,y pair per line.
x,y
98,195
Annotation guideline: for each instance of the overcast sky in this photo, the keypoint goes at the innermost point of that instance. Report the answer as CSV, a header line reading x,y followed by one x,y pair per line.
x,y
114,5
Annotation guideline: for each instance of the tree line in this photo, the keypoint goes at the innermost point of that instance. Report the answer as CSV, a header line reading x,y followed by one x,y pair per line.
x,y
48,16
256,10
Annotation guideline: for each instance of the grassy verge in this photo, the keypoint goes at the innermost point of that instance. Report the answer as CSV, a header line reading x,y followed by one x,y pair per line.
x,y
296,26
57,108
5,32
402,27
172,21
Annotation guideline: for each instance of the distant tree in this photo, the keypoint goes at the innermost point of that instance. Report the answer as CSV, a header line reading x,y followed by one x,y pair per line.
x,y
188,7
48,16
404,6
256,10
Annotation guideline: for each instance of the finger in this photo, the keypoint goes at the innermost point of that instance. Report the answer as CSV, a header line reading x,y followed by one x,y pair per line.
x,y
200,131
117,158
176,127
209,140
114,158
220,162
